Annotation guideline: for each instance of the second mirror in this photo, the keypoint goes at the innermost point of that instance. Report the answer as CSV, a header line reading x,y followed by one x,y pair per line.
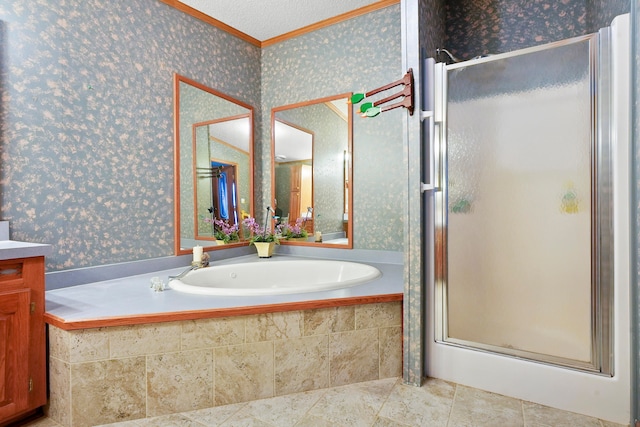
x,y
312,171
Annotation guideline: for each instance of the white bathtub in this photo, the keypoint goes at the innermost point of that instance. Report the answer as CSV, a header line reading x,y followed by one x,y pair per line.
x,y
275,277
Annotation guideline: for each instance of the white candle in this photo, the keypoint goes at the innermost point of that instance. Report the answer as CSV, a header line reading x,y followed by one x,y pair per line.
x,y
197,254
318,236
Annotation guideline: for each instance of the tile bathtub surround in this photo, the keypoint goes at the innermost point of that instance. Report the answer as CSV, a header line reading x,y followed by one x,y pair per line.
x,y
116,374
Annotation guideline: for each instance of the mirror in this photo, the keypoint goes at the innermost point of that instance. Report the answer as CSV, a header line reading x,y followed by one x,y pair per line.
x,y
213,163
312,171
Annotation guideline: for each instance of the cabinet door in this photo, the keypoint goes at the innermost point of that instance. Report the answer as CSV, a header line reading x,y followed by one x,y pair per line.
x,y
14,352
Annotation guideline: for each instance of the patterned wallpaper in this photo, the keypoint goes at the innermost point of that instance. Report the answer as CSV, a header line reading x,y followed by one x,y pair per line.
x,y
481,27
356,55
87,121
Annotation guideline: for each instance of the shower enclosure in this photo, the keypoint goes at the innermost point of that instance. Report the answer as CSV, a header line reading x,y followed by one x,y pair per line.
x,y
523,226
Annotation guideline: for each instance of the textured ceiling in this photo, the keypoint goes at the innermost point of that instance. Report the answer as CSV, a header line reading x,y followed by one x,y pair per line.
x,y
265,19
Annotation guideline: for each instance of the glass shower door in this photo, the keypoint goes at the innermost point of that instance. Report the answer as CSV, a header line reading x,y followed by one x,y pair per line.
x,y
523,212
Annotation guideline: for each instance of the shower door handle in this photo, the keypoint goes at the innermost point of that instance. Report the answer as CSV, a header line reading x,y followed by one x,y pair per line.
x,y
427,119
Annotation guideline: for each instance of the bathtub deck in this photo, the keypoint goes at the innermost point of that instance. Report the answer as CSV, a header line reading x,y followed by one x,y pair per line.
x,y
130,301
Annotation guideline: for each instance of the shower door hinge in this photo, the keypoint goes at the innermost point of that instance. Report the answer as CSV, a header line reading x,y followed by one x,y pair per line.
x,y
426,187
424,115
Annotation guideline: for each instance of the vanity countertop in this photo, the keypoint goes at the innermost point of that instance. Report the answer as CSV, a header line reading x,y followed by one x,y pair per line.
x,y
130,300
12,249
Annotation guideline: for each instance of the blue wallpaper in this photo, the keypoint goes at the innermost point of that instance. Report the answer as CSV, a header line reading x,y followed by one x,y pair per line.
x,y
87,121
481,27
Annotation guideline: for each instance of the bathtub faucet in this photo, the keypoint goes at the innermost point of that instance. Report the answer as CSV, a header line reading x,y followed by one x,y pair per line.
x,y
193,266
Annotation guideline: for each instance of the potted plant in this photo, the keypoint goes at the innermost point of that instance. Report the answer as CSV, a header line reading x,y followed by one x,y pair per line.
x,y
293,232
223,231
261,237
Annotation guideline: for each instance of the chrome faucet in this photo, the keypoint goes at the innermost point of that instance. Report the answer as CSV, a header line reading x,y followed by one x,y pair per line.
x,y
194,266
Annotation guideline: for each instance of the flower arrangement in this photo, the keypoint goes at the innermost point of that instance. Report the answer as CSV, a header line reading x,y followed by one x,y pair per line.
x,y
288,231
224,231
258,232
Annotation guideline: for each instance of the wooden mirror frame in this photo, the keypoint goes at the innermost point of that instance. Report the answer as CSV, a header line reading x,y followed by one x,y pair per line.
x,y
178,249
349,172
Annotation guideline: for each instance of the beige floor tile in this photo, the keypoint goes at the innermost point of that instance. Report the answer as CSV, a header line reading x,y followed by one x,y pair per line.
x,y
385,422
352,405
41,422
313,421
214,417
610,424
428,405
122,424
541,416
247,422
282,411
175,420
472,407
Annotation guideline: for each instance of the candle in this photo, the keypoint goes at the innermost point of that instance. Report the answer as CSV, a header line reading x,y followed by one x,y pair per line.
x,y
318,236
197,254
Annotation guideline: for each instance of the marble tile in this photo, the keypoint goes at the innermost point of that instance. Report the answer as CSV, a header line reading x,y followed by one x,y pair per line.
x,y
428,405
353,405
141,340
59,408
179,382
174,420
207,333
274,326
541,416
301,364
354,357
385,422
58,343
107,391
243,373
378,315
315,421
390,352
215,416
122,424
473,407
247,422
610,424
40,422
282,411
87,345
328,320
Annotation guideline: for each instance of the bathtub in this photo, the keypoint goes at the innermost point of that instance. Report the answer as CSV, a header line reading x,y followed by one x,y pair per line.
x,y
272,277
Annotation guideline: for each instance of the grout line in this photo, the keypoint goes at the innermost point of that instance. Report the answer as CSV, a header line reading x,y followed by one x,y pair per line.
x,y
453,402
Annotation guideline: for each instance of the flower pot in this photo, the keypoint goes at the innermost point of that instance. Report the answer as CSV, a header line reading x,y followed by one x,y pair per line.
x,y
220,242
265,249
297,239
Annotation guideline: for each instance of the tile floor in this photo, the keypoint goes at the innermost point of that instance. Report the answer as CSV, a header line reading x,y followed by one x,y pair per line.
x,y
380,403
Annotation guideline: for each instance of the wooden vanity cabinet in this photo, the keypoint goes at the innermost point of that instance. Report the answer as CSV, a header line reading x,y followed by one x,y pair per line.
x,y
23,386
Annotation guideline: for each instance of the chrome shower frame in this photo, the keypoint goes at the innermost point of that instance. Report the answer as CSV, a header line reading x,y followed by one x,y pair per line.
x,y
602,247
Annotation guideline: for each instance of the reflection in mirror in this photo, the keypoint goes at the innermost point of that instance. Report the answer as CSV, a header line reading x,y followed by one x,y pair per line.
x,y
214,163
311,162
